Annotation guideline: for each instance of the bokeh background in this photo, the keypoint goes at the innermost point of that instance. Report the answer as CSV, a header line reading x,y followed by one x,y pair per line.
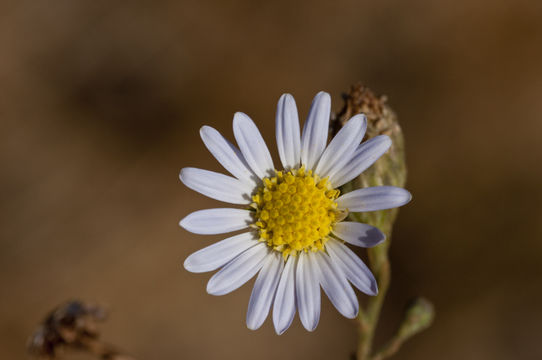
x,y
100,106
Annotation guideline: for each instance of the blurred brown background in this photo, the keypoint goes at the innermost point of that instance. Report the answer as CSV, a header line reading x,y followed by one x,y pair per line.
x,y
100,106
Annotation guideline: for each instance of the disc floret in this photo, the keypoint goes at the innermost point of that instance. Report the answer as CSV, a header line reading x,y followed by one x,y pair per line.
x,y
295,211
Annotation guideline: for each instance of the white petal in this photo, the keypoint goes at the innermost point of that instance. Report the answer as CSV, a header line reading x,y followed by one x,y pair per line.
x,y
343,145
214,256
264,290
315,130
216,221
284,305
365,155
287,132
374,198
355,270
252,145
238,271
227,154
307,291
335,285
358,234
216,186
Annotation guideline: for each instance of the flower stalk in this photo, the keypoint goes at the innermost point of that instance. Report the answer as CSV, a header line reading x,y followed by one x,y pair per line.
x,y
389,170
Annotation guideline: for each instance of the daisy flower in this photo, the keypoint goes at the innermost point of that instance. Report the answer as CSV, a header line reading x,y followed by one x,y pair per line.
x,y
294,218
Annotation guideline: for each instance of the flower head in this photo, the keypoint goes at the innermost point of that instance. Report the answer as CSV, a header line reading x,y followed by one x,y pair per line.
x,y
294,217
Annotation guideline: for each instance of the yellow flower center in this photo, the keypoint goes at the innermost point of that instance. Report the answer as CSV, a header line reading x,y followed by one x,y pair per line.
x,y
295,211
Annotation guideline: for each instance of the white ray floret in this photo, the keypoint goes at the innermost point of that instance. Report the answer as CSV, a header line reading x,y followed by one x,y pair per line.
x,y
374,198
287,132
284,304
335,285
252,145
343,145
238,271
364,156
216,186
314,138
216,221
264,291
358,234
227,155
307,291
219,254
294,235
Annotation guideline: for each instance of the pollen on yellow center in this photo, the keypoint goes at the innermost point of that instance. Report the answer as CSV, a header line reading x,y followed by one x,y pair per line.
x,y
295,211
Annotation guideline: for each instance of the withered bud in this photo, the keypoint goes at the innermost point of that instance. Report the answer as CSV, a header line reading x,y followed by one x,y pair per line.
x,y
69,325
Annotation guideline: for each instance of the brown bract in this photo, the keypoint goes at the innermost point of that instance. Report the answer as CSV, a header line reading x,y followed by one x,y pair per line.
x,y
72,325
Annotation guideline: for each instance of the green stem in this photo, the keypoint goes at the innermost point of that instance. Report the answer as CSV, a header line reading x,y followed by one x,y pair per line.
x,y
390,169
368,318
389,349
418,316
